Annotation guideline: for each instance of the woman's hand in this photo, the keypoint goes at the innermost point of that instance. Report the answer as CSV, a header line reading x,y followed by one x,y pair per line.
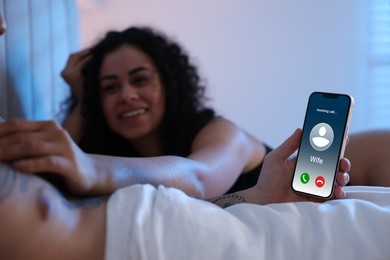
x,y
72,73
45,147
2,25
274,183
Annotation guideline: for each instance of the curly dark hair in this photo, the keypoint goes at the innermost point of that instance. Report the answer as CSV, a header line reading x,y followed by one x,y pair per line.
x,y
185,96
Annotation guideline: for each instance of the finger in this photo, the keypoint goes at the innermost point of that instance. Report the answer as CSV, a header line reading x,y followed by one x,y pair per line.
x,y
23,151
16,125
20,125
79,56
34,147
339,193
81,62
345,165
81,53
342,178
55,164
17,138
85,52
289,146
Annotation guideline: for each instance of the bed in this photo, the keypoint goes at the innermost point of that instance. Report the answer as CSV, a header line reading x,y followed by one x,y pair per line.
x,y
163,223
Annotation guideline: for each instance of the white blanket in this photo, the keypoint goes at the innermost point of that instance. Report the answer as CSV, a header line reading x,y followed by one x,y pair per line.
x,y
164,223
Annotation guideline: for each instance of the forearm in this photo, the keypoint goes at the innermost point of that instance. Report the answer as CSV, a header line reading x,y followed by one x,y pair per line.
x,y
171,171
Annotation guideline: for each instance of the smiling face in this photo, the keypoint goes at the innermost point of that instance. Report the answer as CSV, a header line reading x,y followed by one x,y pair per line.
x,y
132,96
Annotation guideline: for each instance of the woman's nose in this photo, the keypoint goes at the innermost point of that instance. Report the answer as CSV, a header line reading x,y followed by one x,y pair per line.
x,y
129,93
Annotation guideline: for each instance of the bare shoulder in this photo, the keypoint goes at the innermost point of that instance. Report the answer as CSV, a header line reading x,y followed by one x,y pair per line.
x,y
222,122
369,143
219,123
371,136
223,129
229,137
368,152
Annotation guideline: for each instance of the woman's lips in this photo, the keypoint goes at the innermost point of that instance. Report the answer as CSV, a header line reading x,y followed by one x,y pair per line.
x,y
133,113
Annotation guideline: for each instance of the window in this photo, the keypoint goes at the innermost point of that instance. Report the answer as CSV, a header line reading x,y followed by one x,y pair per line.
x,y
378,74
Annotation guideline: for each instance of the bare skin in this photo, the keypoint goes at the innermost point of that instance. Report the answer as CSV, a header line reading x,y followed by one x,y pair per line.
x,y
369,154
36,147
37,222
2,25
48,226
274,183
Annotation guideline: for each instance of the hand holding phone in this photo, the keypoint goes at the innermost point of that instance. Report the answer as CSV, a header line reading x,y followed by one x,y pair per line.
x,y
324,136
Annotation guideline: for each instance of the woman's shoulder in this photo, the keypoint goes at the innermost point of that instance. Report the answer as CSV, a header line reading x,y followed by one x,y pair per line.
x,y
219,123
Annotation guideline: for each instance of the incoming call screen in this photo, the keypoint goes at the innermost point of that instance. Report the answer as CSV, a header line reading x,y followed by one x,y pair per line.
x,y
320,147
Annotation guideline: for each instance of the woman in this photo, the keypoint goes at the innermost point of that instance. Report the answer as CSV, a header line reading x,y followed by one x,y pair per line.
x,y
184,120
142,103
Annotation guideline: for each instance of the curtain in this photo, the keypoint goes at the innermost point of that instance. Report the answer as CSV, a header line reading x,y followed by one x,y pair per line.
x,y
40,36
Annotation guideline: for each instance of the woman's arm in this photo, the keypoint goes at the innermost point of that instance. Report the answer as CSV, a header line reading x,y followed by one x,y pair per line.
x,y
225,151
274,183
220,152
72,74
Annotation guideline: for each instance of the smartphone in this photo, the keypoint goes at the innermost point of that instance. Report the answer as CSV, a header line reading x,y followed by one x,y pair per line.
x,y
324,136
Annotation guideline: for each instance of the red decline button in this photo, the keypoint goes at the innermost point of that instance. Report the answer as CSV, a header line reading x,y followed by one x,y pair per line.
x,y
320,181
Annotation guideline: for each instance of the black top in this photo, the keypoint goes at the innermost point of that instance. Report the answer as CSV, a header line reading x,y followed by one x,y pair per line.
x,y
248,179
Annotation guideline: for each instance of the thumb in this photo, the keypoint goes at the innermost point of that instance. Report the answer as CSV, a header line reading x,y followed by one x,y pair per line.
x,y
290,145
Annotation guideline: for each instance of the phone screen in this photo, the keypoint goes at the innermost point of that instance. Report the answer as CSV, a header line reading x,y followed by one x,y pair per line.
x,y
322,145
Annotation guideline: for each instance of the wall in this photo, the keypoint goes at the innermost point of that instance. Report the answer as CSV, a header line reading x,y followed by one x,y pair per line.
x,y
261,58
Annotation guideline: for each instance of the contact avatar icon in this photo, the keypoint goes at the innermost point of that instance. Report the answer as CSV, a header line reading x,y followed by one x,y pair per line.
x,y
321,137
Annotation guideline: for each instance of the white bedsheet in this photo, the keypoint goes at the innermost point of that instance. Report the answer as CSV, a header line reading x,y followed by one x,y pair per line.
x,y
148,223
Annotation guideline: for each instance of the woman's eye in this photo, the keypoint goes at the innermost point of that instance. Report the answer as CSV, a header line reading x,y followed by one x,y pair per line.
x,y
109,88
140,81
